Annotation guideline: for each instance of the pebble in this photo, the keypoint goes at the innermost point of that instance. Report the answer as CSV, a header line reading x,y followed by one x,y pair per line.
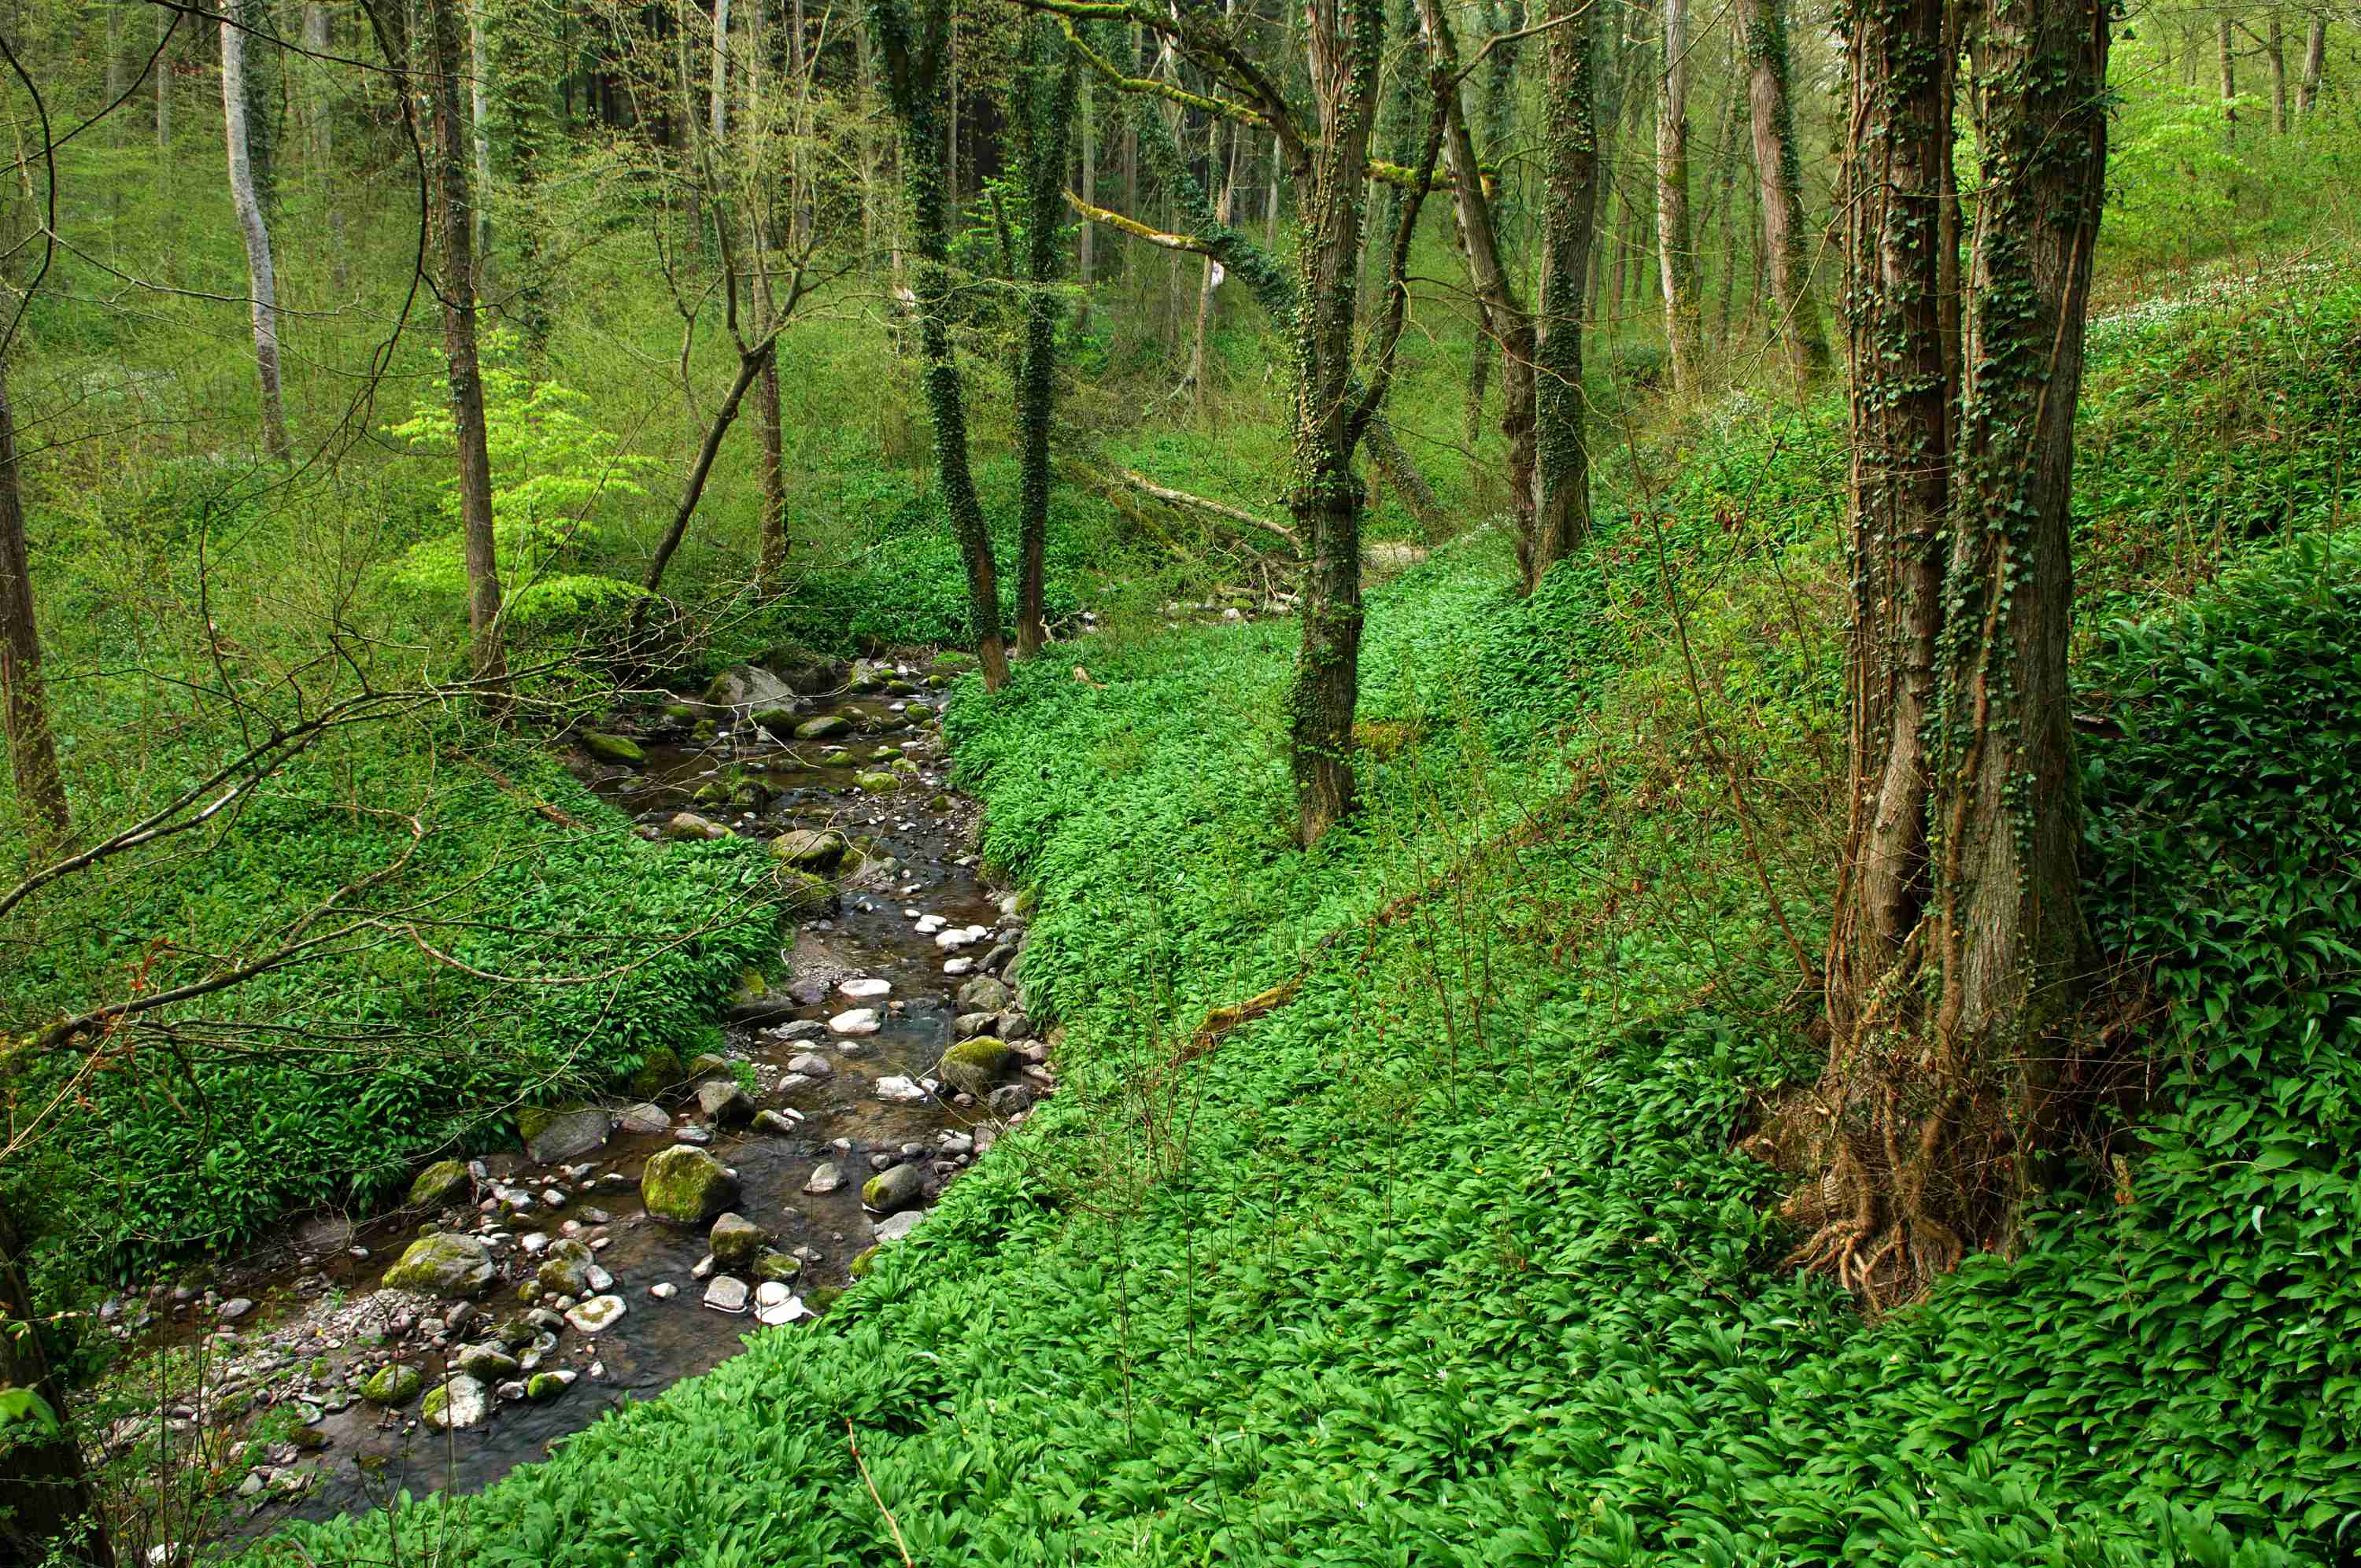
x,y
901,1090
726,1294
535,1242
702,1268
664,1291
959,967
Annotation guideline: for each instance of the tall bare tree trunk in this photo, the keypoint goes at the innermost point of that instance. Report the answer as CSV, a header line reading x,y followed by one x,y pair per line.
x,y
48,1511
1086,260
720,106
2275,51
1678,261
1779,173
2227,58
2315,62
32,753
479,79
455,229
262,281
163,72
1504,318
1571,165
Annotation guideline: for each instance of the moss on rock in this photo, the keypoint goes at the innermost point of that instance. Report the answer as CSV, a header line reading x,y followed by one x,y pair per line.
x,y
972,1066
613,748
684,1186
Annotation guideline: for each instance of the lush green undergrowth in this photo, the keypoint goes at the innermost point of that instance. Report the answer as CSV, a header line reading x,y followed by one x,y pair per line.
x,y
526,944
1452,1256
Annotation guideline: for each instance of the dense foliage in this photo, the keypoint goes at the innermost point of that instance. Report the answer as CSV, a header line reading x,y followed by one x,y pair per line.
x,y
1456,1255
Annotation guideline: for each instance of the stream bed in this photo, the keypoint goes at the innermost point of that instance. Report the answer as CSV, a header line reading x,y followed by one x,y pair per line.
x,y
829,1079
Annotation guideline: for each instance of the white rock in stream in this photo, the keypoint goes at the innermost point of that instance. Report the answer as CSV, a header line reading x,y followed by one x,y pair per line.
x,y
931,924
957,966
774,1303
598,1312
811,1062
901,1090
459,1404
664,1291
958,936
865,988
726,1295
860,1021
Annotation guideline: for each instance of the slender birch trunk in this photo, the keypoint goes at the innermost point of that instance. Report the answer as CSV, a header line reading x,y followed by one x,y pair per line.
x,y
262,282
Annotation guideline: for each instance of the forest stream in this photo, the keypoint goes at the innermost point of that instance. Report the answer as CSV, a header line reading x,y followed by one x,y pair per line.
x,y
842,1051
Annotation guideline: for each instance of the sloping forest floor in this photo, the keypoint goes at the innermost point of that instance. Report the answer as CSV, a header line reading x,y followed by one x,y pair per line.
x,y
1400,1202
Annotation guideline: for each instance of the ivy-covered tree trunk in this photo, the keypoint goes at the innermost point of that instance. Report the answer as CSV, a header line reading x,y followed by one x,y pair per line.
x,y
1344,39
32,752
1046,111
1957,948
454,232
2009,808
2315,62
1779,173
916,68
1500,109
47,1514
1571,167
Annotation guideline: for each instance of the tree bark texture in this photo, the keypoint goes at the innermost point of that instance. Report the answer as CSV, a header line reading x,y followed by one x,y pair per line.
x,y
32,750
1958,947
455,231
1571,168
1779,174
916,64
253,226
1677,261
1344,41
1046,111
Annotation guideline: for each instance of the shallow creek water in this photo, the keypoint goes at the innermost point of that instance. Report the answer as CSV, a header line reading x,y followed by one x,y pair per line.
x,y
322,1323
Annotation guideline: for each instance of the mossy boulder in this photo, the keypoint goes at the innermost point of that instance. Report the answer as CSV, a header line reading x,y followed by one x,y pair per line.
x,y
544,1386
686,1186
862,1262
457,1405
974,1065
827,726
802,893
919,712
443,1265
805,673
735,1240
613,749
776,720
902,767
687,826
395,1385
813,848
876,784
566,1269
437,1184
779,1265
657,1072
894,1190
712,792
